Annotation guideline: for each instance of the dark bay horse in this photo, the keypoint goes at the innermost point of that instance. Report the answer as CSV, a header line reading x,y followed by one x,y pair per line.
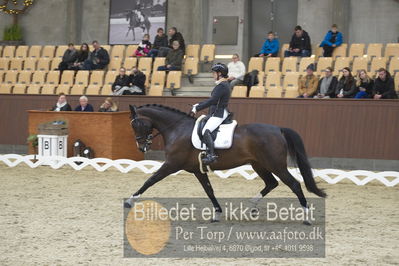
x,y
263,146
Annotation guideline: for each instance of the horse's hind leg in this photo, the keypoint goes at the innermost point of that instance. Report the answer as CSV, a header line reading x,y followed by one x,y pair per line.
x,y
204,180
268,178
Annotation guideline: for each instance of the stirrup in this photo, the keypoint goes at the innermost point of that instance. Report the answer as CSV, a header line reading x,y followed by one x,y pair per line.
x,y
209,158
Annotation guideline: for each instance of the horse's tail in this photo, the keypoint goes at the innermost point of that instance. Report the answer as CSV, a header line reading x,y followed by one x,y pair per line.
x,y
296,150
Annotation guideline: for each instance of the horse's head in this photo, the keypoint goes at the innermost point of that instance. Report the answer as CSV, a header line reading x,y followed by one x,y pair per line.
x,y
142,128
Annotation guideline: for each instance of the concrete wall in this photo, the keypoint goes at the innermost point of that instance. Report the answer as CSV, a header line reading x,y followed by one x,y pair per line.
x,y
95,20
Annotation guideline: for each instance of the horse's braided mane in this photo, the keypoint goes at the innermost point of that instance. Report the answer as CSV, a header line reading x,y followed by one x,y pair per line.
x,y
166,108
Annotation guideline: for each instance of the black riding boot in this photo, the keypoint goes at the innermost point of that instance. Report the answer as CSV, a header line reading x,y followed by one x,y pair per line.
x,y
210,155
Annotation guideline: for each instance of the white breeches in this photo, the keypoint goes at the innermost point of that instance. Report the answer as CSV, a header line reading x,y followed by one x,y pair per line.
x,y
214,122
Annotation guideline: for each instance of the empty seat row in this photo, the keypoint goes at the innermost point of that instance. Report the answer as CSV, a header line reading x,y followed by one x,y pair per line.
x,y
260,92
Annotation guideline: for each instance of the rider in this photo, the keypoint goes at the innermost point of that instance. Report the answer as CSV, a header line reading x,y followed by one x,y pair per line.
x,y
217,104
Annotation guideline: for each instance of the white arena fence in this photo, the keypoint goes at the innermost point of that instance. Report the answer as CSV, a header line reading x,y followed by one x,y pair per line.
x,y
331,176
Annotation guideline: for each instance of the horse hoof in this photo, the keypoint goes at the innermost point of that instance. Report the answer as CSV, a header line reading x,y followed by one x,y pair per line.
x,y
307,223
214,221
255,212
127,205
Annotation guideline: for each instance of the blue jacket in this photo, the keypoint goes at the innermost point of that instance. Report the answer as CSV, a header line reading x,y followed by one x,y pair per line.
x,y
270,47
327,38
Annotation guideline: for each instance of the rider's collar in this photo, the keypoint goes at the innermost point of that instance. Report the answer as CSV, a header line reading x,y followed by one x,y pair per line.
x,y
220,81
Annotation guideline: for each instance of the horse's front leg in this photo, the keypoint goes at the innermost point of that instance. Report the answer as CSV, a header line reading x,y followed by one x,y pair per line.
x,y
204,180
163,172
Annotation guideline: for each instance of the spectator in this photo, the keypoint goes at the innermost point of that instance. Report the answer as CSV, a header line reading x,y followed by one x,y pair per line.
x,y
174,36
364,85
346,87
98,59
108,106
332,40
62,104
300,44
308,83
121,82
136,83
174,59
144,46
384,87
68,58
236,71
161,40
84,105
327,85
270,47
82,56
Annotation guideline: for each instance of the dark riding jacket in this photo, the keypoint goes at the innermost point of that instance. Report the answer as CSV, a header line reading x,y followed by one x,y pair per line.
x,y
218,101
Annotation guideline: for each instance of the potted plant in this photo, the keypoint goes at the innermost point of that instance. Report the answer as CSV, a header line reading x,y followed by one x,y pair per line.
x,y
34,142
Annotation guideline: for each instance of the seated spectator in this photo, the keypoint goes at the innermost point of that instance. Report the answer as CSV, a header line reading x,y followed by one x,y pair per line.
x,y
161,40
98,59
174,36
364,85
332,40
108,106
121,82
144,46
270,47
174,59
384,87
236,71
62,104
136,84
300,44
68,58
327,85
346,87
307,84
81,57
84,105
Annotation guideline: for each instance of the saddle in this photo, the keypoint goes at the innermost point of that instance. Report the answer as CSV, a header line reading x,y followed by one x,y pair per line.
x,y
222,136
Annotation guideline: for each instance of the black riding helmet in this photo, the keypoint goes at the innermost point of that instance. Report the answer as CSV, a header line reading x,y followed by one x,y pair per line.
x,y
220,68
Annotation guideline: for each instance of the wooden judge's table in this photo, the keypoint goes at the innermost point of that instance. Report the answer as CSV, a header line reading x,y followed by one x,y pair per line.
x,y
108,134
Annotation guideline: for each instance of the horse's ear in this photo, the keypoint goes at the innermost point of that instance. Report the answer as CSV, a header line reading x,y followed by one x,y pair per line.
x,y
133,110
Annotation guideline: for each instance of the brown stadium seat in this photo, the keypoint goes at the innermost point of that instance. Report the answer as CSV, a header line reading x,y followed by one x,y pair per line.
x,y
377,63
272,65
5,88
273,79
96,78
323,63
82,78
356,50
19,89
158,78
208,53
130,62
191,66
118,51
394,65
30,64
53,77
1,76
39,77
274,92
155,90
340,63
24,77
43,64
115,64
110,77
257,92
317,51
374,50
93,89
9,51
67,77
255,63
173,80
48,89
145,64
48,51
289,65
392,50
147,78
192,50
54,63
16,64
21,51
60,50
283,48
63,88
1,51
340,51
106,90
261,78
10,77
239,91
159,61
33,89
4,64
130,50
107,47
35,51
304,63
291,81
291,94
77,89
360,63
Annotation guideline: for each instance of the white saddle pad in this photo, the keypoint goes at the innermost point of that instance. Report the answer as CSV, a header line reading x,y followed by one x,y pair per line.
x,y
224,139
